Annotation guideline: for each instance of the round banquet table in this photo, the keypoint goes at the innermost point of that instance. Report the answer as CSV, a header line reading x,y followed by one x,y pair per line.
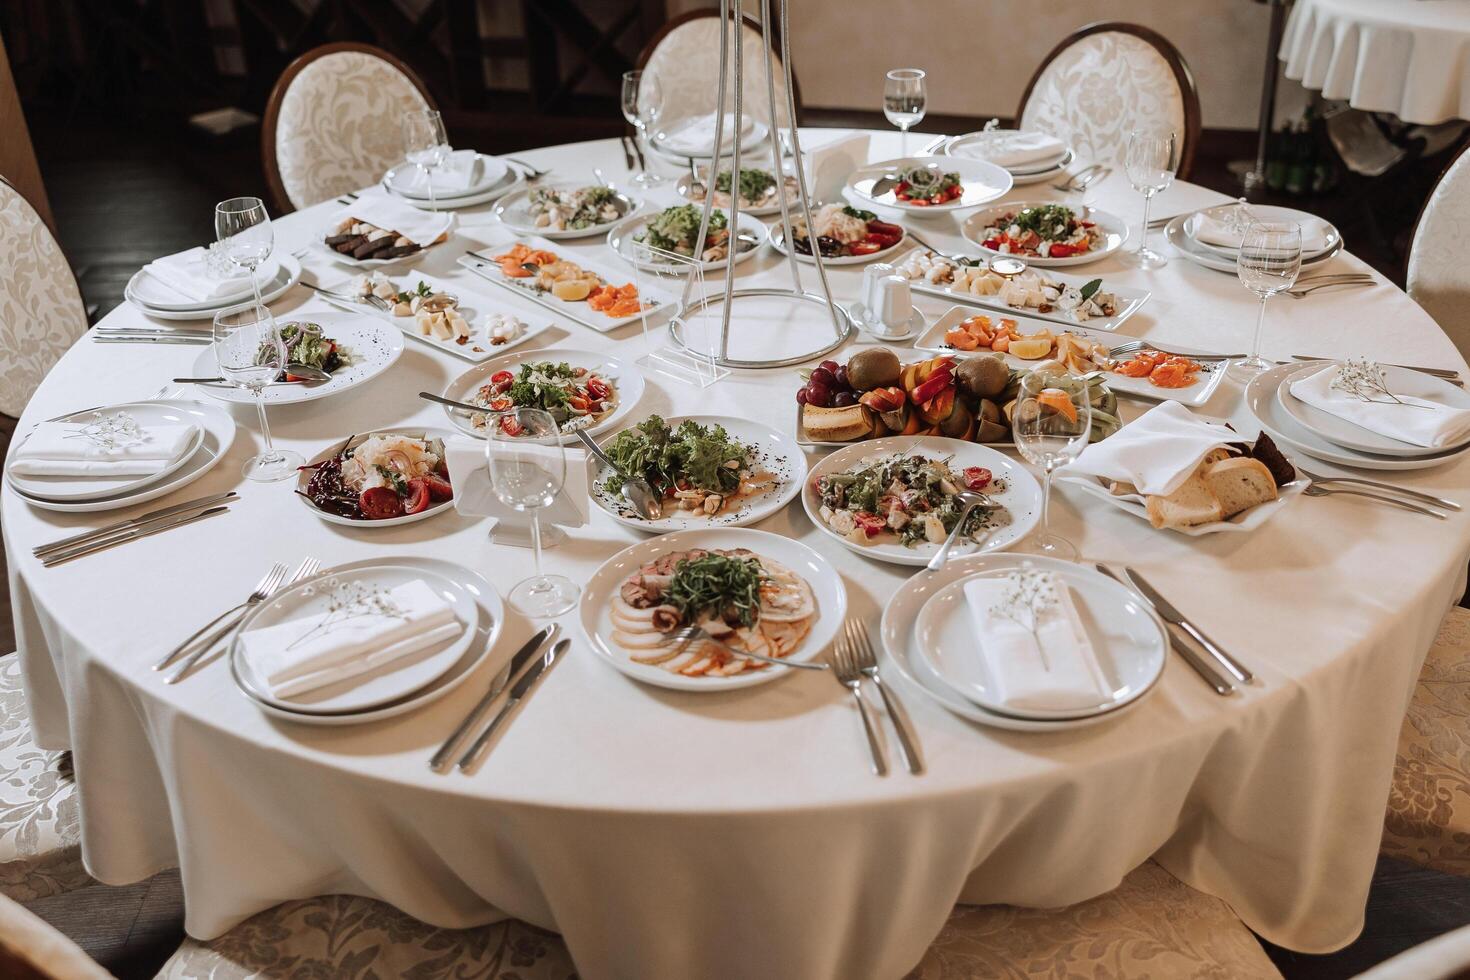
x,y
1407,57
668,834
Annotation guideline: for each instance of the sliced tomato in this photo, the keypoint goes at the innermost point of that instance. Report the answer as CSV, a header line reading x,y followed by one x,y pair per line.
x,y
418,497
871,524
977,477
578,402
380,503
501,403
440,489
864,247
501,380
1059,250
597,388
885,241
511,426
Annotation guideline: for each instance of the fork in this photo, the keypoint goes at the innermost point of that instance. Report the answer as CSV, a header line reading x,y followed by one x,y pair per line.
x,y
1318,490
1134,346
370,299
1310,289
845,669
867,665
1071,183
307,568
689,634
263,588
531,172
1403,491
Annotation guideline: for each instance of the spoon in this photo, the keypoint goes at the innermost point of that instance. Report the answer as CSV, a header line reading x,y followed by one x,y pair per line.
x,y
305,372
971,500
462,406
304,382
646,503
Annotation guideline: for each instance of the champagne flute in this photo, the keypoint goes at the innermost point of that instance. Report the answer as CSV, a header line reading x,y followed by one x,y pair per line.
x,y
243,228
904,98
1269,260
1150,161
1052,423
426,145
251,353
643,102
527,465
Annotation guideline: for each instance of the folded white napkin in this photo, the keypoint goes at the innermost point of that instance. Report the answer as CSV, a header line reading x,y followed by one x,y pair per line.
x,y
697,134
1015,149
1226,225
61,449
450,177
304,654
1433,425
1053,668
378,208
186,274
1156,452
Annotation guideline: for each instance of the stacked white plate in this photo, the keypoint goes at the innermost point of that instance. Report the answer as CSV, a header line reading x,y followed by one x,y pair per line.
x,y
1320,238
161,301
928,637
494,180
1300,427
693,138
983,145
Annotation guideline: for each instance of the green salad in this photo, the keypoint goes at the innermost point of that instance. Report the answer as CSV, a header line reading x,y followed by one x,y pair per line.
x,y
691,457
912,496
305,344
674,230
715,584
754,184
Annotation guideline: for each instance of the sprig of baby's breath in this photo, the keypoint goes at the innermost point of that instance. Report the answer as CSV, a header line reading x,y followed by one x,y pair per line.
x,y
349,601
111,431
1029,593
1365,380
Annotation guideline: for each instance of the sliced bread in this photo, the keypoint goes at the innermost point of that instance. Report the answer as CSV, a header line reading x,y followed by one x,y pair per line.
x,y
1192,503
845,424
1239,484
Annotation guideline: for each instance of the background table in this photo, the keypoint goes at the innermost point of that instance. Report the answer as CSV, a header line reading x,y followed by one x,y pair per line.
x,y
667,834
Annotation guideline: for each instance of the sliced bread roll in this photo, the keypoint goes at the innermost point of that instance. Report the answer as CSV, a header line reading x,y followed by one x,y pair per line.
x,y
1192,503
837,424
1239,484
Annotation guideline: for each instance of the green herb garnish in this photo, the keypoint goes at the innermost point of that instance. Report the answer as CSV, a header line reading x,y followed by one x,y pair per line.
x,y
717,585
859,213
753,183
702,457
1090,289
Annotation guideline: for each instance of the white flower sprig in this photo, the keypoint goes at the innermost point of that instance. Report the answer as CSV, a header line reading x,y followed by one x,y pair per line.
x,y
1029,593
111,431
349,601
1364,379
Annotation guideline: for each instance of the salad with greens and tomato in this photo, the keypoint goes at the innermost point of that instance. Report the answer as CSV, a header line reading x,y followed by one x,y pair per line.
x,y
575,397
926,187
844,231
1046,231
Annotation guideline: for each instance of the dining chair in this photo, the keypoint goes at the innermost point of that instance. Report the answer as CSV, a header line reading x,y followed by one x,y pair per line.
x,y
1445,957
685,56
1104,81
41,309
1428,820
31,949
332,123
1436,277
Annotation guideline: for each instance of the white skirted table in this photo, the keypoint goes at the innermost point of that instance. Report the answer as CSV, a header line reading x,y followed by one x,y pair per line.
x,y
668,834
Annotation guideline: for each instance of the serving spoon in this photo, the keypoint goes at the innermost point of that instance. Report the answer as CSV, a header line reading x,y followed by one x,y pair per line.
x,y
971,500
636,490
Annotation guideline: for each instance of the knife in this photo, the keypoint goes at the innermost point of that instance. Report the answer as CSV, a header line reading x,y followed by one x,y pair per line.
x,y
446,751
1166,609
199,503
141,531
1210,676
521,689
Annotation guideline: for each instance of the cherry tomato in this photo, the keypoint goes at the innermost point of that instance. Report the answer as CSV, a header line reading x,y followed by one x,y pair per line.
x,y
511,426
597,388
380,503
977,477
871,524
418,496
1060,250
439,487
864,247
501,380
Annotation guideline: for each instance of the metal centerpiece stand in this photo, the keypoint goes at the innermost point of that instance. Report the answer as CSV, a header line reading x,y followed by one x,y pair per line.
x,y
761,300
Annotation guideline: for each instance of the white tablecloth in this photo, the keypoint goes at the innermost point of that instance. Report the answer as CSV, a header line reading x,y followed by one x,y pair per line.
x,y
677,835
1407,57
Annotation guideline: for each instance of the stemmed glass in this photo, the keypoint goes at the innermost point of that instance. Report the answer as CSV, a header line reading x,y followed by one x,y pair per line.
x,y
527,467
1150,161
251,353
426,145
1052,422
904,98
1269,260
243,227
643,102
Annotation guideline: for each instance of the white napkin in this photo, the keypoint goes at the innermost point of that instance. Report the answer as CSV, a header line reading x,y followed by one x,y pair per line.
x,y
1156,452
1434,426
186,274
1225,226
696,135
378,208
1015,149
450,177
304,654
1067,677
832,161
59,449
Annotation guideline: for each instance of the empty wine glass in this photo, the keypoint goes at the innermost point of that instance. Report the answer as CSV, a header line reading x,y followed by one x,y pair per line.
x,y
243,228
1052,422
1150,161
251,353
1269,260
527,468
426,145
643,101
904,99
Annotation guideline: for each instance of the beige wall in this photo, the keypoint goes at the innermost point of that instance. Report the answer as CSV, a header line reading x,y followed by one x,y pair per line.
x,y
981,53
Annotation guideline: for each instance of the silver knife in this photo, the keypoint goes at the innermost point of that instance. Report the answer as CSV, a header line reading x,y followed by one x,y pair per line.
x,y
197,342
141,531
441,759
153,515
521,689
1166,609
1210,676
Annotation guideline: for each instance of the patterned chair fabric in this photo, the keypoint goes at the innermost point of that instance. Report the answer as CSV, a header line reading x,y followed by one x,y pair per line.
x,y
30,947
339,125
1436,280
1428,819
1100,88
40,830
687,63
41,309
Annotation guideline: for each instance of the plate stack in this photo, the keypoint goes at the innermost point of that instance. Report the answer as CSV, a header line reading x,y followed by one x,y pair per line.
x,y
157,292
693,138
930,635
468,178
1029,157
1211,236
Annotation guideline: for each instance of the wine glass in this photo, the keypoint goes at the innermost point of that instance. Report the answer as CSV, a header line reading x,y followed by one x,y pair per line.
x,y
643,101
904,97
1150,161
1051,424
527,467
251,352
1269,260
243,228
426,145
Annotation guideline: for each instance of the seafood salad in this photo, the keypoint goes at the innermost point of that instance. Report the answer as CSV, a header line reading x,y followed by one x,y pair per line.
x,y
757,188
1029,290
743,600
674,230
585,207
907,496
385,475
695,467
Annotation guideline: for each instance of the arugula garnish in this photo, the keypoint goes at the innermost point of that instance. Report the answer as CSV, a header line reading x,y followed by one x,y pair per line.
x,y
717,585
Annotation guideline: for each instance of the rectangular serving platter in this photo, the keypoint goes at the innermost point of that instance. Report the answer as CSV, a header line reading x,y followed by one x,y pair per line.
x,y
1132,299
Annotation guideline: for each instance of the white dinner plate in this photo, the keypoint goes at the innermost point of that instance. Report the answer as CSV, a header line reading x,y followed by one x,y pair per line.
x,y
1137,505
305,476
627,382
155,294
1019,503
371,347
219,435
594,616
622,239
79,488
512,181
402,180
900,645
773,451
793,201
287,275
1129,300
668,141
1331,238
1211,259
1126,636
778,242
981,182
1114,232
514,211
490,619
1401,381
976,146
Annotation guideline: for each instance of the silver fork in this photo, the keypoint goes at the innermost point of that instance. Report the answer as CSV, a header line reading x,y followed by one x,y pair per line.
x,y
307,568
867,664
846,670
1402,491
369,299
1073,180
1318,490
531,172
1310,289
263,588
1134,346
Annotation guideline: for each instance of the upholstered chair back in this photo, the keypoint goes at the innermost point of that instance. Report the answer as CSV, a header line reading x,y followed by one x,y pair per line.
x,y
1437,280
686,58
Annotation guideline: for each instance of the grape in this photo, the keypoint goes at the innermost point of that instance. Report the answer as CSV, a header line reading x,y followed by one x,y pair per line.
x,y
801,395
824,378
831,366
818,394
841,374
843,399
